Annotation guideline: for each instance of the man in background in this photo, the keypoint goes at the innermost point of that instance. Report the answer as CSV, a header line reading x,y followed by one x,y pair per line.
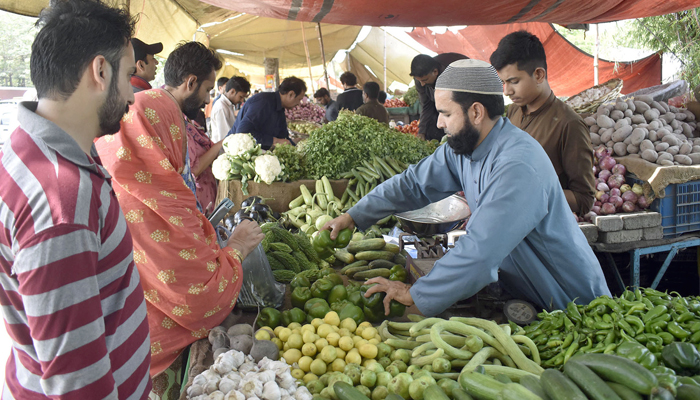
x,y
382,97
223,114
263,114
522,66
146,64
351,98
323,97
425,71
372,108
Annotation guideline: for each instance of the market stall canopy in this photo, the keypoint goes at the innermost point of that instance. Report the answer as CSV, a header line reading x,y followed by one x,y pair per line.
x,y
454,12
250,36
569,70
370,53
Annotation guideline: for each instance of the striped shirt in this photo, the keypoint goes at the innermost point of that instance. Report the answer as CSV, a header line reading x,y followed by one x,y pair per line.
x,y
71,298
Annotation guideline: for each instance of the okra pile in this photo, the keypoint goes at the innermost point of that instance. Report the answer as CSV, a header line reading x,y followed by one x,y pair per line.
x,y
646,316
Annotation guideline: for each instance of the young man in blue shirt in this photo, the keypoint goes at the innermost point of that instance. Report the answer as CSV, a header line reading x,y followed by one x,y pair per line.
x,y
263,114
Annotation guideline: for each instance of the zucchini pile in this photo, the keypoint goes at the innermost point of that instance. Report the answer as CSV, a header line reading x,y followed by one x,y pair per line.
x,y
370,258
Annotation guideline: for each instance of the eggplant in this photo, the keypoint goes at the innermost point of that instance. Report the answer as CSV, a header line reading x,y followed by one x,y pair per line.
x,y
239,216
230,222
251,201
262,209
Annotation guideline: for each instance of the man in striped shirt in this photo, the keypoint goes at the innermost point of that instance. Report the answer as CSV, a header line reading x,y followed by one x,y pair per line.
x,y
71,298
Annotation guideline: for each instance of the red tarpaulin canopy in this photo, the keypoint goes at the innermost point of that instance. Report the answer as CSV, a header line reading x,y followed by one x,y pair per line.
x,y
454,12
570,70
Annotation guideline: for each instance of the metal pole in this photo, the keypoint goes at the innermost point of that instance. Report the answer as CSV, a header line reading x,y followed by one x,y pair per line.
x,y
323,54
385,60
308,59
595,56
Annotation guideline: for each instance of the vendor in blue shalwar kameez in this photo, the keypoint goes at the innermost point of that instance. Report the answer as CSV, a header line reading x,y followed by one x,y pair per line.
x,y
521,231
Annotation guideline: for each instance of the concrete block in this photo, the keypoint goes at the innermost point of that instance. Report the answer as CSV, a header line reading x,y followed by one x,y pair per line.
x,y
608,223
654,233
590,231
641,220
621,236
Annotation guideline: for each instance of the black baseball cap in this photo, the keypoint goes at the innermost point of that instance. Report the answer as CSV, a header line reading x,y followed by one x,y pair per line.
x,y
141,49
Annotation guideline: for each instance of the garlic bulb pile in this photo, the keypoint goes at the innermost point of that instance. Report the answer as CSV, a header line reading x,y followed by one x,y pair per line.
x,y
235,376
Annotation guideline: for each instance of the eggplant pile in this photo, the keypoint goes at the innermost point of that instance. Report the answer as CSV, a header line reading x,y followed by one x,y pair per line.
x,y
253,208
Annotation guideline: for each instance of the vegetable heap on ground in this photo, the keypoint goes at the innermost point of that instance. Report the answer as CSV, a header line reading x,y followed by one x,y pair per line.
x,y
306,111
243,160
345,143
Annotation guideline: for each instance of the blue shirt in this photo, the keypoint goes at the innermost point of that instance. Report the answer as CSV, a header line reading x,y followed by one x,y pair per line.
x,y
262,116
332,111
521,230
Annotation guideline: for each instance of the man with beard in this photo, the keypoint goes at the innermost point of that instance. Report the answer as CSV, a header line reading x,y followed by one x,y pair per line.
x,y
72,299
521,231
190,283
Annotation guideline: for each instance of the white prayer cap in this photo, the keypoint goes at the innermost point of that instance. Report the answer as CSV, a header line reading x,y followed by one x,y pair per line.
x,y
472,76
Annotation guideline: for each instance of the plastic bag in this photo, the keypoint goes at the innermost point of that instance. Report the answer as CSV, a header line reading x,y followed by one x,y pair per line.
x,y
259,287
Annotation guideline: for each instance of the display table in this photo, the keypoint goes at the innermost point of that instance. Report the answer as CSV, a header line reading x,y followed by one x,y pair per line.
x,y
644,247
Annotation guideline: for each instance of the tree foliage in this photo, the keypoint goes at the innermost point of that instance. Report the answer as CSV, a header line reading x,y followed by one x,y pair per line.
x,y
16,37
676,33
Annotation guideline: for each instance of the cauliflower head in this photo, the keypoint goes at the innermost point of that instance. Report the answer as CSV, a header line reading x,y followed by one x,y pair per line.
x,y
240,144
221,167
268,167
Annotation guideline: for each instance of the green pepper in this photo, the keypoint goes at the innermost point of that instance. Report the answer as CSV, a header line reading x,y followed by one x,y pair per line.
x,y
300,296
319,310
323,252
356,298
654,313
269,317
373,300
668,382
637,353
335,278
344,237
312,302
294,315
573,312
353,312
398,273
683,358
323,239
321,288
339,305
337,294
373,315
300,281
396,309
675,329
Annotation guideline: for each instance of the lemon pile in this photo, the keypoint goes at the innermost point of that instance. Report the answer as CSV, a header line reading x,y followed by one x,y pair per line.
x,y
324,345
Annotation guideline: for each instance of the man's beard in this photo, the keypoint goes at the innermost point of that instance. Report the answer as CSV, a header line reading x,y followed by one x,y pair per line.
x,y
113,109
192,105
464,141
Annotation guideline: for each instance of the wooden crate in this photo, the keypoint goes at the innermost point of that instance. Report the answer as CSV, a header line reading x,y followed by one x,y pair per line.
x,y
280,193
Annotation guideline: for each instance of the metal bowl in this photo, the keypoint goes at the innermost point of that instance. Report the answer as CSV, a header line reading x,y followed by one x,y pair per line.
x,y
436,218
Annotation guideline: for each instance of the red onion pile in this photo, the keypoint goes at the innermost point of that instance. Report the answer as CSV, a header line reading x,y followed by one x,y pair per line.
x,y
613,195
306,111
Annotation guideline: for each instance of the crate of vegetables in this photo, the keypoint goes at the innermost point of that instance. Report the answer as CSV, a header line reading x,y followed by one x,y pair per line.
x,y
679,209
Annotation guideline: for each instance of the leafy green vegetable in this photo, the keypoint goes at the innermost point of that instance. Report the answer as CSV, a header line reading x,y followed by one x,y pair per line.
x,y
341,145
411,96
292,160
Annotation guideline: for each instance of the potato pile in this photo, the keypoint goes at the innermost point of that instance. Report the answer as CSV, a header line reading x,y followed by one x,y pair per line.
x,y
642,127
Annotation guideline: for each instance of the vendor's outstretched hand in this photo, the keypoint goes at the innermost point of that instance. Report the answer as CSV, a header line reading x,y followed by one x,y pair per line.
x,y
246,237
394,290
338,224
